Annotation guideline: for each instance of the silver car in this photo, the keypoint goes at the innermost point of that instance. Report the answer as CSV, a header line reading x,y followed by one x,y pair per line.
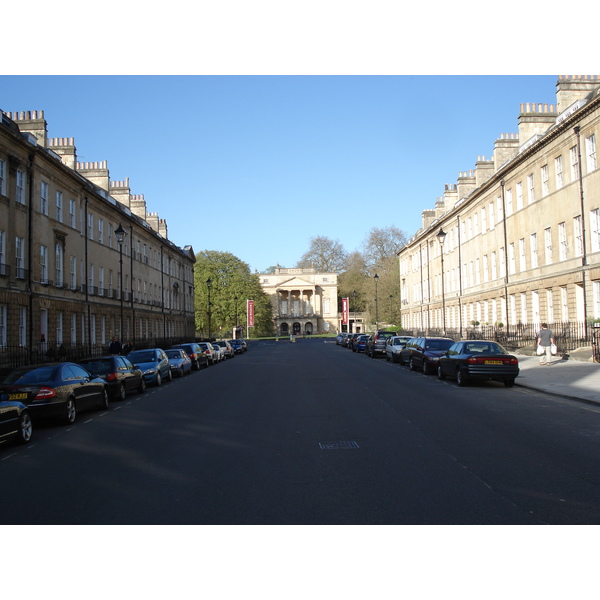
x,y
394,346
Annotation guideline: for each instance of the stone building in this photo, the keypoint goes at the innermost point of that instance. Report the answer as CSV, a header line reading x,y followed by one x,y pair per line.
x,y
516,241
304,302
65,281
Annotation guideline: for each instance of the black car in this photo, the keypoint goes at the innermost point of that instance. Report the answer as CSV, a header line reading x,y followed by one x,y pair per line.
x,y
56,390
118,372
352,340
478,359
424,352
196,354
377,342
15,420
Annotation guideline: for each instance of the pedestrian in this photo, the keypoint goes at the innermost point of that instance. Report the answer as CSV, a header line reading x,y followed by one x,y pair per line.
x,y
546,341
115,346
127,348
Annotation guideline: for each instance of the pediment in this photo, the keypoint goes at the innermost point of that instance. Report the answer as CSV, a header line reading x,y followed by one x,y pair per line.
x,y
293,282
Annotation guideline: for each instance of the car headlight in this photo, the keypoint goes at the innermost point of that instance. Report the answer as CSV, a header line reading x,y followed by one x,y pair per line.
x,y
150,372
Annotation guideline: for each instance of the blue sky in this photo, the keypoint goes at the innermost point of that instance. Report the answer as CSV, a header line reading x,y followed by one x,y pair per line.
x,y
257,165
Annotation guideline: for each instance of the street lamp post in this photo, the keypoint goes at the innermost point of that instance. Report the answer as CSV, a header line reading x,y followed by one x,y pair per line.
x,y
235,298
209,285
120,234
354,294
376,278
441,236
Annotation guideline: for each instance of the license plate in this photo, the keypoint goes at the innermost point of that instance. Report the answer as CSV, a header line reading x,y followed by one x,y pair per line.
x,y
17,396
492,362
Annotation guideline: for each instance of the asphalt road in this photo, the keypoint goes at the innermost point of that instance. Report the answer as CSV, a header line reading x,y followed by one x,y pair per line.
x,y
312,433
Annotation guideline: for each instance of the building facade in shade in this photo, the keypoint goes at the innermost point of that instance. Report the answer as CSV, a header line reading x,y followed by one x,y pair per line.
x,y
516,241
65,280
304,302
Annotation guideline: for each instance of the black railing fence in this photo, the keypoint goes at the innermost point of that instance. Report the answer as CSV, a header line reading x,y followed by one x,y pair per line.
x,y
14,356
523,337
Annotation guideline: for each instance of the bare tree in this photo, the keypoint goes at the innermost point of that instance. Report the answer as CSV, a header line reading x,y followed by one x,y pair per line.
x,y
381,246
324,255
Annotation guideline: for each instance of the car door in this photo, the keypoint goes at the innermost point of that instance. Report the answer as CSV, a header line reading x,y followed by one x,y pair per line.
x,y
126,373
163,363
86,392
9,419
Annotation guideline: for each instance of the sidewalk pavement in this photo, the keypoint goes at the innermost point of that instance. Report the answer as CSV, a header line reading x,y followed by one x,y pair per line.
x,y
570,378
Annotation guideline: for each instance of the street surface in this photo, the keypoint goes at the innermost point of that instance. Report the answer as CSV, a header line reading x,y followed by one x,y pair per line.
x,y
312,433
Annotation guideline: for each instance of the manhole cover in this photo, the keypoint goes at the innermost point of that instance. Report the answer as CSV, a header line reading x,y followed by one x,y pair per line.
x,y
337,445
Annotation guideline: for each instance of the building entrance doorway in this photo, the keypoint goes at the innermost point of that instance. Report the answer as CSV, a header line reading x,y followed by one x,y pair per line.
x,y
297,328
285,330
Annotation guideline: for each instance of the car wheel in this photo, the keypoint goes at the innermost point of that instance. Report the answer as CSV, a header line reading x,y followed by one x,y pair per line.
x,y
70,411
25,427
461,378
441,374
104,400
411,364
509,382
158,380
142,386
169,375
426,367
122,392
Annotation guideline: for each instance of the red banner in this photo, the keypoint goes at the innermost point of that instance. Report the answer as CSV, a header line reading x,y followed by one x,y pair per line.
x,y
250,312
345,313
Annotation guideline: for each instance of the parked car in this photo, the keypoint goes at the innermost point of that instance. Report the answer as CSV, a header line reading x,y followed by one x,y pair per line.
x,y
338,338
219,352
55,390
179,360
15,421
225,348
239,346
352,340
376,343
424,352
478,359
394,346
344,342
154,364
361,343
194,351
118,373
209,352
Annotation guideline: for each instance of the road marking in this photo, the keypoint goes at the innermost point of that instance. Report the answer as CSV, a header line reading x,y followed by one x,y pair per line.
x,y
338,445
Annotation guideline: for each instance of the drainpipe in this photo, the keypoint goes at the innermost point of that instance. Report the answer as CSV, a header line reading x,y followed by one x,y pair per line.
x,y
29,255
87,282
502,183
460,290
583,240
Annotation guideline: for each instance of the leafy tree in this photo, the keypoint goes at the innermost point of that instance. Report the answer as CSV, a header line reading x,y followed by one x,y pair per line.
x,y
231,284
324,255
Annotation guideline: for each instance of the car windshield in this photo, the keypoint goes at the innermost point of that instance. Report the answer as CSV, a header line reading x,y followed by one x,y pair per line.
x,y
101,367
173,353
141,357
438,344
483,348
35,375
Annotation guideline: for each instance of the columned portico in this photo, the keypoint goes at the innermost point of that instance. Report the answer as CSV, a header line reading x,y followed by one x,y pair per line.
x,y
304,301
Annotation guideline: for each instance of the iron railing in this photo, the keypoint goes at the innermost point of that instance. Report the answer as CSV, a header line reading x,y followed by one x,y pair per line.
x,y
568,335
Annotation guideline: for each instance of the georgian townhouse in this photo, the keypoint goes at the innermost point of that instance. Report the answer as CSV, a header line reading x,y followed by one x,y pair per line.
x,y
81,260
